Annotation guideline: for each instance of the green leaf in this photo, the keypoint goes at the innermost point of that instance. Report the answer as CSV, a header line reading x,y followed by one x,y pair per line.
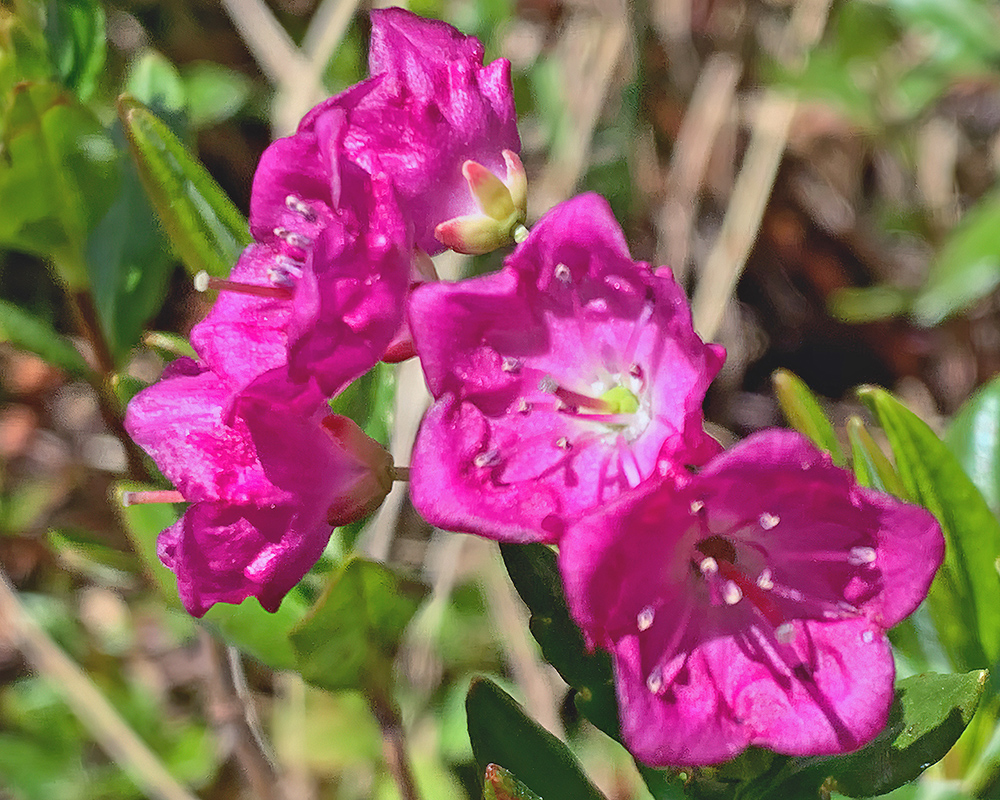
x,y
248,626
75,33
963,597
204,226
962,32
869,303
804,413
967,267
974,438
871,466
30,333
57,177
499,784
928,715
350,637
154,81
24,53
370,401
214,93
535,575
502,734
129,263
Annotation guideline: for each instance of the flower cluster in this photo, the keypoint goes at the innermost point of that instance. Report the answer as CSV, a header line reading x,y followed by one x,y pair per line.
x,y
343,214
744,595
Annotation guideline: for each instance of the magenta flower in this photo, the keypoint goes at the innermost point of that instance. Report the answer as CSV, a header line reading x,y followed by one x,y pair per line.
x,y
559,382
321,294
432,107
265,484
748,605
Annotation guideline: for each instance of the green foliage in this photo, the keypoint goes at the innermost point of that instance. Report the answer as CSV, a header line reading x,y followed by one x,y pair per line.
x,y
974,438
57,177
201,222
28,332
963,597
804,413
499,784
504,735
350,637
871,466
74,30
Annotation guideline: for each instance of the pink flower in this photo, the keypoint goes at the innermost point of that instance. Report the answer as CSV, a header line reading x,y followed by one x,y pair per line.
x,y
432,107
749,604
559,382
265,484
321,293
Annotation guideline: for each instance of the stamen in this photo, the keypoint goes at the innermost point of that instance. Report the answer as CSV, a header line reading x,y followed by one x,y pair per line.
x,y
293,238
860,556
697,506
708,566
785,632
300,207
645,618
867,637
523,406
562,273
563,443
157,496
765,580
511,364
487,458
203,282
768,521
731,593
655,680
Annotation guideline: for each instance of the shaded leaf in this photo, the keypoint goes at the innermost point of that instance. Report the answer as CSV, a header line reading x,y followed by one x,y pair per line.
x,y
154,81
871,466
248,626
499,784
502,734
804,413
974,438
75,33
57,177
350,637
203,225
963,597
214,93
30,333
869,303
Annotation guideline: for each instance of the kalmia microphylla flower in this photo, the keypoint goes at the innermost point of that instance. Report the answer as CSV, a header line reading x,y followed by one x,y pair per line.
x,y
265,484
321,293
559,382
439,123
749,604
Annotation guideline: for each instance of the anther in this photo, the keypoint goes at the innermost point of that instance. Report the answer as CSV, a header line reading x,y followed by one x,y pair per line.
x,y
697,506
547,384
487,458
645,618
785,632
635,371
867,637
203,282
765,580
655,681
300,207
562,273
731,593
563,443
523,406
511,364
860,556
293,238
708,566
768,521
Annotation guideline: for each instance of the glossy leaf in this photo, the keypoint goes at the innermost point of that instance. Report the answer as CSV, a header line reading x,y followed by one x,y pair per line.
x,y
57,177
28,332
974,438
499,784
804,413
203,225
350,637
967,267
871,466
248,626
535,575
963,597
76,37
502,734
928,715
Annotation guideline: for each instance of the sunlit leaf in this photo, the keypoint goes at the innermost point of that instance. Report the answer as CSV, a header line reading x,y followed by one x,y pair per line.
x,y
871,466
974,438
804,413
75,31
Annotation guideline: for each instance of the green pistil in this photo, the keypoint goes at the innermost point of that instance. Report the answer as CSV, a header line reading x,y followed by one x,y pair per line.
x,y
620,401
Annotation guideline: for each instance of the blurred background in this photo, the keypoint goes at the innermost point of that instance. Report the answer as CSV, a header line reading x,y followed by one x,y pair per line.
x,y
820,176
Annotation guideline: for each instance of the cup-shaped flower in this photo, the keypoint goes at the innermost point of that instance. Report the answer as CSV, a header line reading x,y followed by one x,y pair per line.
x,y
433,107
321,293
264,484
560,381
749,605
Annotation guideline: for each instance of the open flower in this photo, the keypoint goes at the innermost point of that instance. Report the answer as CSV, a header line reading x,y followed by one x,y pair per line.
x,y
560,381
265,485
748,606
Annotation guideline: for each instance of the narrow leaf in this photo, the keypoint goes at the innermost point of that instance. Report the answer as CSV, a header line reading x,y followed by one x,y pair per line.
x,y
804,413
499,784
871,466
502,734
974,438
76,38
350,637
201,221
963,597
30,333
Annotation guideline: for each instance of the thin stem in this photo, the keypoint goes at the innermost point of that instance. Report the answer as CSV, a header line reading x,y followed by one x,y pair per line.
x,y
96,714
393,744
